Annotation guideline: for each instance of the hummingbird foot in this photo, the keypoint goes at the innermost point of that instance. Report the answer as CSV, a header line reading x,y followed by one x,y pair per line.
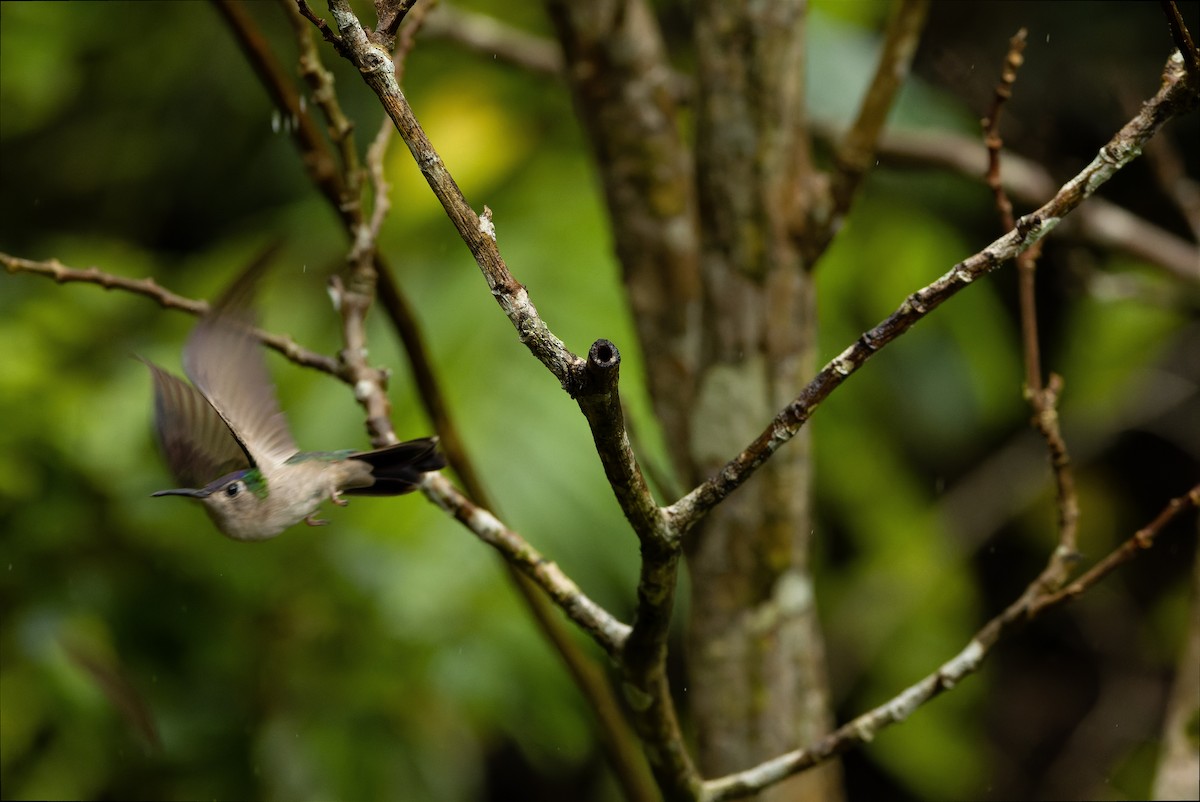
x,y
312,521
337,499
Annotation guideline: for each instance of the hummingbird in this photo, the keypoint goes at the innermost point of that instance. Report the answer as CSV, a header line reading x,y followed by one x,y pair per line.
x,y
226,436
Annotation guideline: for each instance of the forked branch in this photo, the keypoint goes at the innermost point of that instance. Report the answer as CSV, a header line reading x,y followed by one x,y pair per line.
x,y
1173,98
1042,397
1033,602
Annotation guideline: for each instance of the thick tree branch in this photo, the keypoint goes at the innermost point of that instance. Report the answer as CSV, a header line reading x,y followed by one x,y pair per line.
x,y
1036,599
643,662
599,399
1173,98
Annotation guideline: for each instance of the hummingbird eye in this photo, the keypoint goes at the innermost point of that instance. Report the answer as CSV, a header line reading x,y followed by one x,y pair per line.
x,y
233,489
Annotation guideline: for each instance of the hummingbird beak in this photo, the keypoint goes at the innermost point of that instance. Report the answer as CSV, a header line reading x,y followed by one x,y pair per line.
x,y
184,491
204,492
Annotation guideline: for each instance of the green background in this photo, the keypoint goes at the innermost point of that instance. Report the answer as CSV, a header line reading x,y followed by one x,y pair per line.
x,y
385,656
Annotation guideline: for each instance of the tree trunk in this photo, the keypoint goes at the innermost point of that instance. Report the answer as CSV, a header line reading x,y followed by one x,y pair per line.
x,y
723,303
756,654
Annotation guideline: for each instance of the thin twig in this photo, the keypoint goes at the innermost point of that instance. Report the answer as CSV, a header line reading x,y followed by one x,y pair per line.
x,y
1183,40
991,126
1043,399
149,288
370,383
389,13
1036,599
1173,98
341,130
418,21
1143,539
609,633
1026,260
320,25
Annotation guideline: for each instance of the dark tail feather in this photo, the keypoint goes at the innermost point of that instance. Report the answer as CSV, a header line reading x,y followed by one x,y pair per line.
x,y
397,469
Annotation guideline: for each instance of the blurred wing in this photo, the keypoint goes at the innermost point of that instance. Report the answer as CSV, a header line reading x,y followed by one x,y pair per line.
x,y
195,441
225,361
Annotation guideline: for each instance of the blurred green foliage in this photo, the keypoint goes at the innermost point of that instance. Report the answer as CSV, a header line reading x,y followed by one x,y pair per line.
x,y
143,656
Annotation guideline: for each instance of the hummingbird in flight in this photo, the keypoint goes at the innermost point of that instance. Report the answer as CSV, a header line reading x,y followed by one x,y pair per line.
x,y
225,436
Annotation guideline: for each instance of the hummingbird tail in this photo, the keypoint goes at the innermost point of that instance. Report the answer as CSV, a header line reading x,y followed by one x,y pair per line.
x,y
397,469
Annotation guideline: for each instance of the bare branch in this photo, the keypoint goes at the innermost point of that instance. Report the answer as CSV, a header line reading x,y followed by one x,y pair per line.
x,y
1043,399
1035,600
991,126
369,383
390,13
1143,539
856,151
1098,221
609,633
381,204
1173,98
491,37
600,401
320,25
149,288
643,661
376,67
1183,40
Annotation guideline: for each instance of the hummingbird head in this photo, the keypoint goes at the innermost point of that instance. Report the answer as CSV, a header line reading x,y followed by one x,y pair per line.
x,y
236,503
